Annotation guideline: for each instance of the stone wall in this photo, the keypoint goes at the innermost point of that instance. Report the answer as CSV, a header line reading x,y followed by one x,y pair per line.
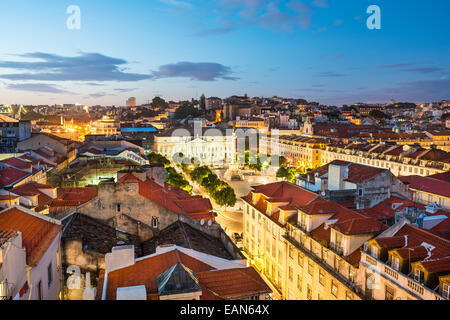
x,y
121,206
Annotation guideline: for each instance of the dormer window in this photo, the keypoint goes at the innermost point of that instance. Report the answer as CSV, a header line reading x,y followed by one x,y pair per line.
x,y
374,252
419,276
395,263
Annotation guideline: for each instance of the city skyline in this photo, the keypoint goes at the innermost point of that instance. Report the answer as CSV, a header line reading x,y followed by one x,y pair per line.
x,y
317,50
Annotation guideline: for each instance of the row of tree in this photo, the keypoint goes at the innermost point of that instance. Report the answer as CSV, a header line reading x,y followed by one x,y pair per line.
x,y
172,176
222,193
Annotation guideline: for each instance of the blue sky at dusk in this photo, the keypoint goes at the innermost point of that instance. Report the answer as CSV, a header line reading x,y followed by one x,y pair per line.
x,y
319,50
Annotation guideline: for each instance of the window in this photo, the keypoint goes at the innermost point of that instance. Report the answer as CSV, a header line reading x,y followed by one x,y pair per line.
x,y
419,276
321,277
300,259
50,274
389,293
334,288
155,223
309,293
291,274
310,267
302,221
374,252
395,263
39,290
118,207
299,283
352,274
446,290
291,252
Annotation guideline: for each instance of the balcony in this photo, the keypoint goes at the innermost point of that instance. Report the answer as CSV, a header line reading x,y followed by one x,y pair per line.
x,y
408,284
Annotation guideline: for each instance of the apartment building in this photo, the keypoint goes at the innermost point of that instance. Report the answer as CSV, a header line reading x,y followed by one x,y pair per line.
x,y
406,263
401,160
12,131
299,151
305,247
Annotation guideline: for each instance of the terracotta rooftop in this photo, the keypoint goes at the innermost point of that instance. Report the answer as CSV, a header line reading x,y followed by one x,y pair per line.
x,y
10,176
177,200
428,184
5,235
412,237
37,232
146,271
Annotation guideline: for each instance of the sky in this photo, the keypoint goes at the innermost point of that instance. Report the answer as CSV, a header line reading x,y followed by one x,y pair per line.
x,y
319,50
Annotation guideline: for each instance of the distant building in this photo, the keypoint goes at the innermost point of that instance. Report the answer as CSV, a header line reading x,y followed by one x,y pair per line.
x,y
211,147
131,102
106,126
12,131
213,103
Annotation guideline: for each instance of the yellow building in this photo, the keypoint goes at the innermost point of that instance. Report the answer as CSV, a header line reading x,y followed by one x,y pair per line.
x,y
406,263
305,247
301,152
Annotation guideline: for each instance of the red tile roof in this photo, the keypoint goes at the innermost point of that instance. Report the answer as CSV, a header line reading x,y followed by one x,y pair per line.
x,y
428,185
5,235
412,237
37,232
145,272
10,176
177,200
358,226
231,284
18,163
439,265
215,284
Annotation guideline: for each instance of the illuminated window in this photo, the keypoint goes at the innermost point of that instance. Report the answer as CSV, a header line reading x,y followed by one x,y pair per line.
x,y
334,288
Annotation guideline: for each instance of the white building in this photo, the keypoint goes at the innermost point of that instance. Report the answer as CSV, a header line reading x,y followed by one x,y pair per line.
x,y
30,261
210,146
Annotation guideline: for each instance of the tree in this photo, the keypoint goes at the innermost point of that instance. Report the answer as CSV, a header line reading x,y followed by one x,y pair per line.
x,y
185,111
158,158
200,173
377,114
225,197
159,104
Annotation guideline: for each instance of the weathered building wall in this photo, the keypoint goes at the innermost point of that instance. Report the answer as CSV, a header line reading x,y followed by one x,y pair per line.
x,y
121,206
